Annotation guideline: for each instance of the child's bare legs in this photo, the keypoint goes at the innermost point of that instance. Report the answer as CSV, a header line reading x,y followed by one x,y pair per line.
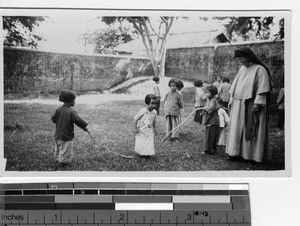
x,y
63,152
171,123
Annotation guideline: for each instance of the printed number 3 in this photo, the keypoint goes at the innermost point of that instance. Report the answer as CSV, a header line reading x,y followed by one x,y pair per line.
x,y
189,217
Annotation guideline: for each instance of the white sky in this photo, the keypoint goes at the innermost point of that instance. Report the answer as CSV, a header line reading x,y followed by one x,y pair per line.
x,y
63,29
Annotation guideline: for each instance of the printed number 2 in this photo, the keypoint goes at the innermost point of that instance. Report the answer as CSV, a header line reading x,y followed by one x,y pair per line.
x,y
122,217
189,217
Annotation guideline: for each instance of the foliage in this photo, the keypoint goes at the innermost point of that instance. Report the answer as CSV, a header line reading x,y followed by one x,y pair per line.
x,y
251,28
20,31
107,39
153,39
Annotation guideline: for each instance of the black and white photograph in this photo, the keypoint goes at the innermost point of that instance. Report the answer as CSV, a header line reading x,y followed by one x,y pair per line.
x,y
146,91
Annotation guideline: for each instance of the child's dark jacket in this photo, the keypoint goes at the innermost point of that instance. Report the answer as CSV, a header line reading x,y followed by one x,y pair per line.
x,y
64,118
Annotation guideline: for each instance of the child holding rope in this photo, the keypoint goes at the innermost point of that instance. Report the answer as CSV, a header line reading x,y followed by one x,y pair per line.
x,y
144,128
64,118
210,120
173,104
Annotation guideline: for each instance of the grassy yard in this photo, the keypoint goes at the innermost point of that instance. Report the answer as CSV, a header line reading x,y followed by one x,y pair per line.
x,y
29,143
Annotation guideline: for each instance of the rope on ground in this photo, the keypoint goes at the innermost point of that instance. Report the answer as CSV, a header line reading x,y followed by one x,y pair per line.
x,y
106,149
177,127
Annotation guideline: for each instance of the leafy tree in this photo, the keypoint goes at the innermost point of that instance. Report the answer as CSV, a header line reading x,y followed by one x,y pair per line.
x,y
20,31
106,40
251,28
153,39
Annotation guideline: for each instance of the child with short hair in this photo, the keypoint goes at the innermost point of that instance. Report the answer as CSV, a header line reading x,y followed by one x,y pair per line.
x,y
218,81
223,92
224,120
211,120
179,87
199,100
144,128
156,92
173,104
65,117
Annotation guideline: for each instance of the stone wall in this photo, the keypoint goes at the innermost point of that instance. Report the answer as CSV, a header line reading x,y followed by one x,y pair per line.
x,y
32,72
209,61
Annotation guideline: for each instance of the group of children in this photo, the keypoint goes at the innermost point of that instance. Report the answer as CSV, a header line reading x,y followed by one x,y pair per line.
x,y
208,112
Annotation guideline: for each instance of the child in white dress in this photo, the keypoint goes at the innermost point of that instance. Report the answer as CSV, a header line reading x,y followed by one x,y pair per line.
x,y
224,120
144,128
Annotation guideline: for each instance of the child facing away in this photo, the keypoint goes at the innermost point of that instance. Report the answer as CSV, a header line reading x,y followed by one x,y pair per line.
x,y
210,120
144,128
156,92
199,100
173,104
64,118
224,120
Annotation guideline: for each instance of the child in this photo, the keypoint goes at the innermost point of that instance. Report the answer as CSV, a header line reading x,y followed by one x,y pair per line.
x,y
223,92
64,118
210,120
200,100
144,128
179,87
280,102
218,81
156,92
224,120
173,105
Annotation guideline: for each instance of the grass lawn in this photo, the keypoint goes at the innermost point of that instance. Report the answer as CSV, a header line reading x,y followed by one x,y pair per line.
x,y
29,143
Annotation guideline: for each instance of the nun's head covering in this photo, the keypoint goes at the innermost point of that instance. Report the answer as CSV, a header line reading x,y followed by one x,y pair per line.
x,y
247,52
67,96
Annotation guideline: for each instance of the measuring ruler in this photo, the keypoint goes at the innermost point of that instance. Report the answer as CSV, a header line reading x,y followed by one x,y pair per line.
x,y
125,204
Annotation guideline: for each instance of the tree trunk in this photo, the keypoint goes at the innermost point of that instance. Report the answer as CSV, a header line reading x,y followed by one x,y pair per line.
x,y
162,64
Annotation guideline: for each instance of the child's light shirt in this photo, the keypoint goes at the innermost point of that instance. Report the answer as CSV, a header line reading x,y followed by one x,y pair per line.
x,y
199,97
223,116
223,91
173,103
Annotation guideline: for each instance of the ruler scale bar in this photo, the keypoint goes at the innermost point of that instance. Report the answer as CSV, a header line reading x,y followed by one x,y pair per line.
x,y
100,204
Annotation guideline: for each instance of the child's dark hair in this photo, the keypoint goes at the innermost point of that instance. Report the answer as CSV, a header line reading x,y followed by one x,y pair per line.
x,y
172,80
179,84
156,79
225,79
198,83
150,97
212,89
67,96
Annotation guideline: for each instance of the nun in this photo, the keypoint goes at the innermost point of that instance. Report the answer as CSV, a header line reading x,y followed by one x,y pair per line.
x,y
249,100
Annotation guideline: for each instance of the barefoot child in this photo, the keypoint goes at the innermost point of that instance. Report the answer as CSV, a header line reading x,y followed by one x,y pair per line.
x,y
211,120
173,105
144,128
64,118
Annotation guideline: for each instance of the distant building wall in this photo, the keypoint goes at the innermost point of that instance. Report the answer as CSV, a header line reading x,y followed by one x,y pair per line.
x,y
27,71
209,61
